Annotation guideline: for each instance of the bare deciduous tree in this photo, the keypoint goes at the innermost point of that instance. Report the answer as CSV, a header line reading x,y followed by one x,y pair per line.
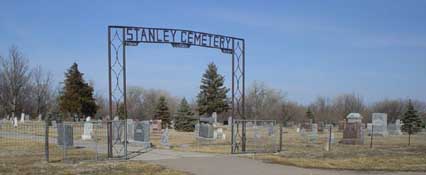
x,y
42,90
15,77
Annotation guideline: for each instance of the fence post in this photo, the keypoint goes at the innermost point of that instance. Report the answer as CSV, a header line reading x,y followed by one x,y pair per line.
x,y
329,137
46,138
281,137
372,133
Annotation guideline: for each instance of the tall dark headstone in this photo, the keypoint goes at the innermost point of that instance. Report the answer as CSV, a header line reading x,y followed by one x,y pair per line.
x,y
65,135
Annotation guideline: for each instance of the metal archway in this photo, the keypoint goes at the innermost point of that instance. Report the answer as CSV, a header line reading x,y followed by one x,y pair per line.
x,y
119,37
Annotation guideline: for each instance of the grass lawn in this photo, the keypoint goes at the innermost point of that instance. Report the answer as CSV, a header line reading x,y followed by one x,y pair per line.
x,y
19,157
389,153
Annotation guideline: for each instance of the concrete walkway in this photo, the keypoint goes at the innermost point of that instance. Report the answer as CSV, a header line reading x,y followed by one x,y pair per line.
x,y
212,164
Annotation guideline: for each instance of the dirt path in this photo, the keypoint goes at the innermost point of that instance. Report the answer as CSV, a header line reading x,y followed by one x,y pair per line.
x,y
210,164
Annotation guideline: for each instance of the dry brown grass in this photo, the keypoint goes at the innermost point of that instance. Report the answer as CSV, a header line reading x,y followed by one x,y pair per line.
x,y
388,153
17,157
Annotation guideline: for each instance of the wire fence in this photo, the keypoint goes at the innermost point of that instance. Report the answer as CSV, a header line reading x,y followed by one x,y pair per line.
x,y
88,141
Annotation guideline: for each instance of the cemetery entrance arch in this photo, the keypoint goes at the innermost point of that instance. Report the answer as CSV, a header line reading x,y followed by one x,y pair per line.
x,y
120,37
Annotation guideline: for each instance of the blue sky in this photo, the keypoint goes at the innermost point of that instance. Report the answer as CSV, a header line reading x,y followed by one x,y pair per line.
x,y
304,48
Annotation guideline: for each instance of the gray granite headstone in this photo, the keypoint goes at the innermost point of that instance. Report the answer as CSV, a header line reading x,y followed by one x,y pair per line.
x,y
65,135
27,117
197,130
206,130
141,131
165,138
380,124
314,133
395,128
271,129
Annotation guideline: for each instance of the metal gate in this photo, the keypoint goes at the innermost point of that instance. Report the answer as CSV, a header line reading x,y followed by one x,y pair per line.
x,y
256,136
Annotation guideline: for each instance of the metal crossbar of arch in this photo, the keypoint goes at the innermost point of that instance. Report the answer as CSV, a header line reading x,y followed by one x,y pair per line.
x,y
120,37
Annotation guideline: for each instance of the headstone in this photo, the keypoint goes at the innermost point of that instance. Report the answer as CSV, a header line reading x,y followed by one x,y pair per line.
x,y
27,117
22,117
297,130
369,128
380,124
341,125
314,133
88,130
156,126
206,130
165,138
197,130
54,124
229,121
39,117
15,121
395,128
354,118
65,135
353,134
271,129
219,134
130,130
116,118
214,116
142,133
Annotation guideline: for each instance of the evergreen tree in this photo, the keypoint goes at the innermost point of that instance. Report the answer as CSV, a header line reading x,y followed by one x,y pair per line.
x,y
162,112
184,120
77,95
212,95
411,121
310,115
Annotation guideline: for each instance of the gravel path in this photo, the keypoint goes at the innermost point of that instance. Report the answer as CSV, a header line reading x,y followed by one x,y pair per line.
x,y
211,164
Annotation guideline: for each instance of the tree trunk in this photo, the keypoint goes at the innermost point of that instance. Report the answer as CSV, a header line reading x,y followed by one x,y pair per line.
x,y
409,138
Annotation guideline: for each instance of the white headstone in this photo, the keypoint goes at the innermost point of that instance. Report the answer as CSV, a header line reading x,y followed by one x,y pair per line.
x,y
15,122
39,117
369,128
297,130
380,123
88,130
88,119
116,118
229,121
130,130
354,118
214,116
22,117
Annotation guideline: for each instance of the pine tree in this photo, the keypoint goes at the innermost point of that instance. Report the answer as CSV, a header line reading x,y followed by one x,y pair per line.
x,y
162,112
212,95
310,115
77,95
184,121
411,121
